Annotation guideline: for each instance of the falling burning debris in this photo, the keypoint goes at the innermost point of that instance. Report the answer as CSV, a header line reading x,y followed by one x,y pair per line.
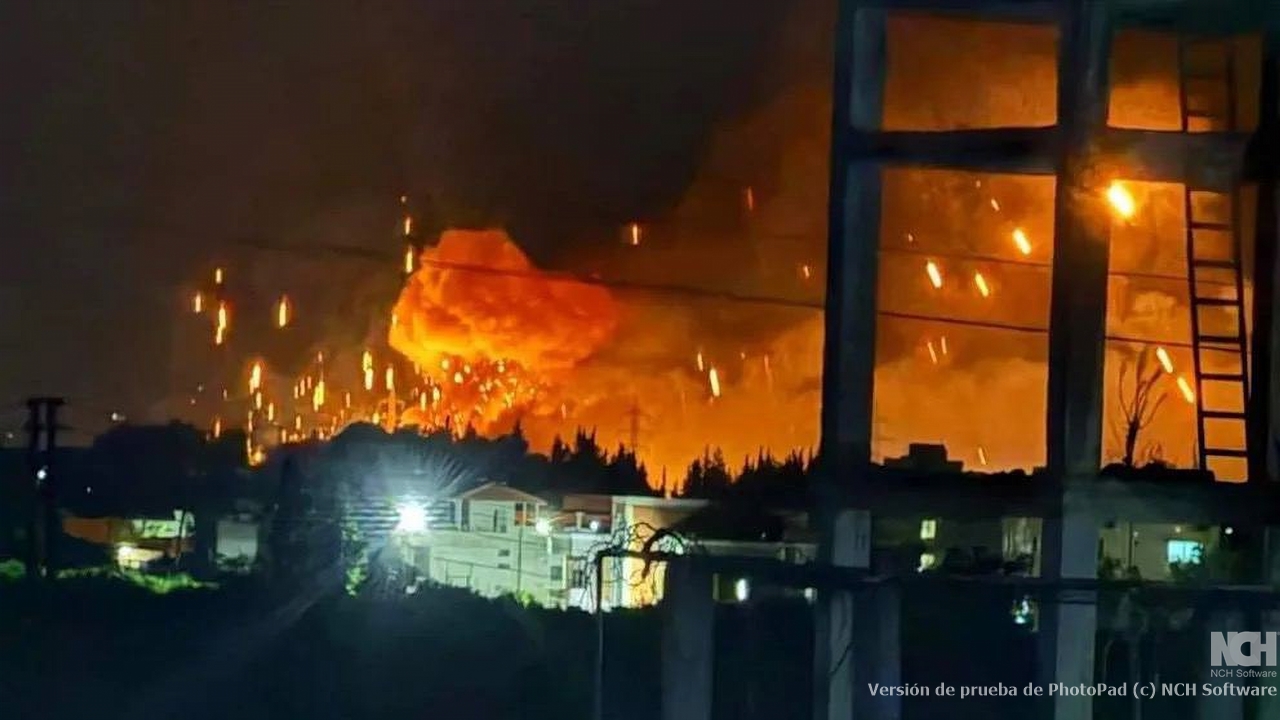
x,y
408,260
981,283
1021,241
714,378
635,233
217,427
935,276
1185,388
1121,200
982,456
283,310
255,376
1165,361
217,276
408,226
197,302
995,204
806,272
701,365
223,324
749,199
933,354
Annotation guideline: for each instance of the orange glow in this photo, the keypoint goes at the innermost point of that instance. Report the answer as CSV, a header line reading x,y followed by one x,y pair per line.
x,y
257,400
283,309
982,456
1185,388
408,226
806,272
408,260
1121,200
297,423
317,396
346,400
749,198
217,427
935,276
981,283
1021,241
217,276
389,378
197,302
271,412
995,204
1165,361
635,233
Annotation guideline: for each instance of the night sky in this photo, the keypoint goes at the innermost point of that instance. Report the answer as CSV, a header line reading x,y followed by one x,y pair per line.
x,y
143,140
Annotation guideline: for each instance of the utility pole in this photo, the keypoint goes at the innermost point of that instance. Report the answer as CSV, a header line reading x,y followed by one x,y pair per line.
x,y
43,526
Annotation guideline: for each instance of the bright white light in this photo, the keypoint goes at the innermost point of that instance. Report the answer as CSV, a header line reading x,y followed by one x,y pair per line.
x,y
542,527
594,526
412,518
42,473
741,590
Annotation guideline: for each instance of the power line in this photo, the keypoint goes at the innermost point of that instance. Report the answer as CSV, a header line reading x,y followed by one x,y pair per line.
x,y
730,296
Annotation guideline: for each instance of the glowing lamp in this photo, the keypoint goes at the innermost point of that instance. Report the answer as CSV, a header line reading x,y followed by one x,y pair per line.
x,y
411,518
542,526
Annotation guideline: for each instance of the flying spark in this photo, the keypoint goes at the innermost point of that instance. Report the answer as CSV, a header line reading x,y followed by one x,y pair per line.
x,y
714,378
635,233
1165,361
935,276
981,282
1185,388
197,303
933,354
1020,239
282,311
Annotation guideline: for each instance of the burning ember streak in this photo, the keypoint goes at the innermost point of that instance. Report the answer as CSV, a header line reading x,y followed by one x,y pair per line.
x,y
197,302
224,322
935,276
283,311
1185,388
714,378
635,233
217,276
1163,356
500,332
981,282
1021,241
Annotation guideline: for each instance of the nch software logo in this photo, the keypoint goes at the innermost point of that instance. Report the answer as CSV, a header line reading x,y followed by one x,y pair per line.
x,y
1242,649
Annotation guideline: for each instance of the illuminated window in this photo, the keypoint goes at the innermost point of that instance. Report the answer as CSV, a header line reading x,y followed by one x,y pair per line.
x,y
1184,551
928,529
928,561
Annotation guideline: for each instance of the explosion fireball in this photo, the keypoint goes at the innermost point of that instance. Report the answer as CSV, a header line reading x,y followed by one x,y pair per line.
x,y
491,333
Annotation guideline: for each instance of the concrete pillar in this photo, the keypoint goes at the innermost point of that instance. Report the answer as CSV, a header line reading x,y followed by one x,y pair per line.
x,y
688,641
1264,395
857,632
1268,708
1069,620
1077,331
1220,707
853,243
1082,237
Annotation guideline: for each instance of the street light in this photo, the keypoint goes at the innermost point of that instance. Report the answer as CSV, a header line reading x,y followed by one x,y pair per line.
x,y
542,526
411,518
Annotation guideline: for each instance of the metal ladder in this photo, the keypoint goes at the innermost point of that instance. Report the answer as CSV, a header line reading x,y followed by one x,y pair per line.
x,y
1207,98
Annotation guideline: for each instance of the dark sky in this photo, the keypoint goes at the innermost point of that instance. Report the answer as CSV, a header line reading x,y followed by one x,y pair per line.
x,y
139,139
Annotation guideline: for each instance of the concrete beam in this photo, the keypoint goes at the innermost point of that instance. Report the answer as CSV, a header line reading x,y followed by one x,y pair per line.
x,y
1210,161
